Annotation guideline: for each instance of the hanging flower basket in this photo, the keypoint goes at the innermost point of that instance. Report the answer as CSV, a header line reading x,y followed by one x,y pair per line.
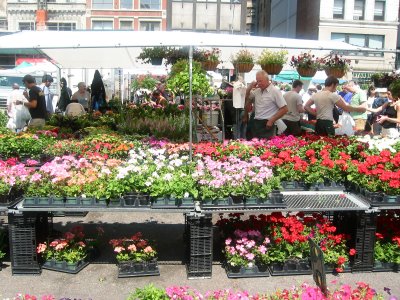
x,y
338,73
243,67
306,72
209,65
272,69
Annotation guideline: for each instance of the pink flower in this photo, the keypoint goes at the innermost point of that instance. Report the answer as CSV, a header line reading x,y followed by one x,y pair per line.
x,y
148,249
69,236
41,248
250,256
118,249
132,248
228,241
262,249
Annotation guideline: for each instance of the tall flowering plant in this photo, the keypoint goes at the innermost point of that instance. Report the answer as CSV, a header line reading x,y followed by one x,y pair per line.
x,y
136,249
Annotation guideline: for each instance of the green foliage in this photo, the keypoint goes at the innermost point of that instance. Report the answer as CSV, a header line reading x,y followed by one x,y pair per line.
x,y
387,251
272,57
148,54
24,145
3,119
178,82
395,89
149,292
3,242
243,56
147,82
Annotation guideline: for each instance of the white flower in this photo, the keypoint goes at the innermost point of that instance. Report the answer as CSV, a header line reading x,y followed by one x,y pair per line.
x,y
186,195
168,176
147,183
155,174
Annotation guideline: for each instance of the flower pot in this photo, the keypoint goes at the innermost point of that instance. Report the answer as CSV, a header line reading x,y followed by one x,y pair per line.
x,y
115,202
129,200
338,73
221,201
235,269
237,199
156,61
59,264
101,202
142,200
43,201
138,267
152,266
306,72
72,201
251,200
276,196
272,69
262,267
29,201
243,67
209,65
57,201
87,201
72,266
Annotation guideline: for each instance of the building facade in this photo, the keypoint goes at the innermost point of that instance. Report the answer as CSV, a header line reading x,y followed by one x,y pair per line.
x,y
3,15
221,16
144,15
48,15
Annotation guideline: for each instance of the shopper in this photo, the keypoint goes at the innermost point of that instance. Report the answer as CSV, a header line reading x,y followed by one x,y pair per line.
x,y
36,102
295,109
324,103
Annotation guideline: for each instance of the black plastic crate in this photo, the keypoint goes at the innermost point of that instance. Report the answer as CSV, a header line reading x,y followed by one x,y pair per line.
x,y
365,242
201,246
199,264
23,231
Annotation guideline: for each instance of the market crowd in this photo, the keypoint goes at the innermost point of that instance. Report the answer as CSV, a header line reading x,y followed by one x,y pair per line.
x,y
270,110
34,105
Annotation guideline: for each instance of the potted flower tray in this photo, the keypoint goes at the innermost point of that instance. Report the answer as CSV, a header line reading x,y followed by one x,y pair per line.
x,y
379,198
327,186
63,266
216,203
290,267
37,201
246,272
137,269
13,197
164,202
332,270
275,199
380,266
294,185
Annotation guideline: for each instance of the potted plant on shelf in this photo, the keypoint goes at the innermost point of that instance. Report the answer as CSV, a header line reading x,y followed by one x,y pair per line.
x,y
153,55
209,59
135,256
272,61
243,61
174,54
306,64
336,65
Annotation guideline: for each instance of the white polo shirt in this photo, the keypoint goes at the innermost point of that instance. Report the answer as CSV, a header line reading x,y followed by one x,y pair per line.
x,y
267,102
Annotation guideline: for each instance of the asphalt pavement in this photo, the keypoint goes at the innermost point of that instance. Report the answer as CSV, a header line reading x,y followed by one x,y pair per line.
x,y
99,281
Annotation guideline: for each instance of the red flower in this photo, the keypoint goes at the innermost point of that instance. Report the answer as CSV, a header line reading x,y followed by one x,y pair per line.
x,y
379,235
352,252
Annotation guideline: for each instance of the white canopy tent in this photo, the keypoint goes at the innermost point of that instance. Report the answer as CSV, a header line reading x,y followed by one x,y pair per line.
x,y
119,49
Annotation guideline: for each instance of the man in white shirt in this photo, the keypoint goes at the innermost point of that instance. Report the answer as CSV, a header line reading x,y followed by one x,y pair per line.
x,y
47,80
269,106
16,121
295,108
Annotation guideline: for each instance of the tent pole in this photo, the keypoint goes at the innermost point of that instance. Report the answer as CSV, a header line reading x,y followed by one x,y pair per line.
x,y
190,102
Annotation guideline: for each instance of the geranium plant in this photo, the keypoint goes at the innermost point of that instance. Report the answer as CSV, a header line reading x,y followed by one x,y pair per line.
x,y
305,60
70,248
136,249
387,244
207,55
335,61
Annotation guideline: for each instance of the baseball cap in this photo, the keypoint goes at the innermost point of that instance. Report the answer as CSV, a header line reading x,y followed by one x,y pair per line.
x,y
28,79
381,90
47,77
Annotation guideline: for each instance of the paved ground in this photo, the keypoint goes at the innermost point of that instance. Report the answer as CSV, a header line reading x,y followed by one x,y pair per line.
x,y
99,281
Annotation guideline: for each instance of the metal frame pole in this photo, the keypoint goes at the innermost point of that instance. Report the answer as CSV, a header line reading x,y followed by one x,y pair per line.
x,y
190,102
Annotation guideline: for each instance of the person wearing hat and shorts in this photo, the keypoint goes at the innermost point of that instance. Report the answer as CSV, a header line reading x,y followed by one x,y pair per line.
x,y
47,80
36,102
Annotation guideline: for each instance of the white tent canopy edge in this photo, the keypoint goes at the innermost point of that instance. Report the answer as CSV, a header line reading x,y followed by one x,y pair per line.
x,y
119,49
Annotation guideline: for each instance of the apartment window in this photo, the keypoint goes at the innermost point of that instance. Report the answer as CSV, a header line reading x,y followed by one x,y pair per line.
x,y
338,9
359,7
126,4
102,25
379,11
361,40
150,4
102,4
3,24
125,25
150,26
26,26
61,26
